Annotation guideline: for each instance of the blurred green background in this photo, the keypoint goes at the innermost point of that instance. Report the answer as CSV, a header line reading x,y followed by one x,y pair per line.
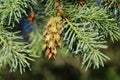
x,y
68,68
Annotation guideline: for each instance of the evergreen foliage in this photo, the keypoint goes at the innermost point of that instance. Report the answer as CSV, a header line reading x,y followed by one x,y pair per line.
x,y
79,27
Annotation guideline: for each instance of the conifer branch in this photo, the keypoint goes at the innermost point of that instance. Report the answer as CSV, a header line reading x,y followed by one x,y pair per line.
x,y
84,33
86,46
12,10
36,43
12,52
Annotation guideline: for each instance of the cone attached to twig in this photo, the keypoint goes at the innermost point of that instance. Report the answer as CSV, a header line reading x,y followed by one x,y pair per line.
x,y
52,36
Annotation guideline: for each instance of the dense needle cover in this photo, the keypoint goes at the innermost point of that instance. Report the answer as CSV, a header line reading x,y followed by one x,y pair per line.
x,y
31,29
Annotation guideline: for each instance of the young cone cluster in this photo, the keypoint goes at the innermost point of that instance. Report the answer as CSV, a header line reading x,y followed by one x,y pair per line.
x,y
52,36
